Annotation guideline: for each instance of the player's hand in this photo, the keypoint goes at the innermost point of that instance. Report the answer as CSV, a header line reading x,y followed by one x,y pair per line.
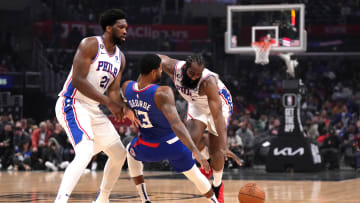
x,y
116,109
203,162
230,154
128,113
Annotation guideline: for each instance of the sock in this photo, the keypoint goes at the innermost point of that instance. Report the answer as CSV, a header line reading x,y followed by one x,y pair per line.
x,y
213,199
141,188
217,177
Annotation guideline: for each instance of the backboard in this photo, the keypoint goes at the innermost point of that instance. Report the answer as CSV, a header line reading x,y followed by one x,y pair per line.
x,y
249,23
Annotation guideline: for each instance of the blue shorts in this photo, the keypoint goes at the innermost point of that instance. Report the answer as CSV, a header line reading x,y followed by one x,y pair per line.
x,y
179,156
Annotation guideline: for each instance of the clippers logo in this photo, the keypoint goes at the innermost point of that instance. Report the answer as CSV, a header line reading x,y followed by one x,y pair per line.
x,y
132,152
289,100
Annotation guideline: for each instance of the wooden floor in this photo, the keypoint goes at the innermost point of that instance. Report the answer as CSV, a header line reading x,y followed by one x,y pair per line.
x,y
42,187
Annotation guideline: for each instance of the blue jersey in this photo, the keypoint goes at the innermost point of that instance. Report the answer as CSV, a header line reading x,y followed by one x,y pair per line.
x,y
154,125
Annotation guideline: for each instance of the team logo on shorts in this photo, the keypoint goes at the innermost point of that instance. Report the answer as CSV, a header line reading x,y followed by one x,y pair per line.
x,y
101,46
132,152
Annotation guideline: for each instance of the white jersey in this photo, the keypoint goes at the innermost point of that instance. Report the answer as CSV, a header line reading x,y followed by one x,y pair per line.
x,y
103,70
192,96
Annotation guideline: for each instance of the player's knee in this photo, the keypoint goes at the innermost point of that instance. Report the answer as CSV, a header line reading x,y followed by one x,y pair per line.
x,y
217,154
116,153
120,157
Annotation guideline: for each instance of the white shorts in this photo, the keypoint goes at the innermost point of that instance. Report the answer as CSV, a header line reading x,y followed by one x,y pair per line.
x,y
84,121
204,115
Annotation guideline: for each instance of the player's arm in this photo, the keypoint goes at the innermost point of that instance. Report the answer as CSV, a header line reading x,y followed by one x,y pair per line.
x,y
164,100
114,88
85,53
209,87
168,65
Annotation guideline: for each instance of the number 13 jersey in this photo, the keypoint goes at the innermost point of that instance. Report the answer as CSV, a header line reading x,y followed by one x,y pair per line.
x,y
102,72
154,125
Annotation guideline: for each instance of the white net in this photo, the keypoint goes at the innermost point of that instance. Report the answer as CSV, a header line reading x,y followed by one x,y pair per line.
x,y
262,51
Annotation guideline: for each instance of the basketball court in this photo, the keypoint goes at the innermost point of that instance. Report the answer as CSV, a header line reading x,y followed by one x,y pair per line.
x,y
322,187
259,30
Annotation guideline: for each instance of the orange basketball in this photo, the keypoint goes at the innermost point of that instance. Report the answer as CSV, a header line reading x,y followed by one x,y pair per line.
x,y
251,193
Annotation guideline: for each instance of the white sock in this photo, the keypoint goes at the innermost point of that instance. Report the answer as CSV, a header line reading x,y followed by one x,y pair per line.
x,y
141,188
217,177
213,199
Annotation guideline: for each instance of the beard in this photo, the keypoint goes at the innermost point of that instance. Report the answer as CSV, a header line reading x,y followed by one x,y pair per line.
x,y
187,82
117,40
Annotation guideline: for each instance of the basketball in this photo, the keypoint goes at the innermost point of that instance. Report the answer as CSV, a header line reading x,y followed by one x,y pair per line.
x,y
251,193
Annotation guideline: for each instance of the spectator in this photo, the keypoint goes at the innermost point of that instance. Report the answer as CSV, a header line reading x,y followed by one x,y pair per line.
x,y
40,138
356,149
235,145
22,157
247,138
330,150
53,156
20,136
6,146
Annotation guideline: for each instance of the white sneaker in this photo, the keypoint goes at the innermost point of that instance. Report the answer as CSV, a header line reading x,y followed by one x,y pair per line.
x,y
64,164
51,166
10,168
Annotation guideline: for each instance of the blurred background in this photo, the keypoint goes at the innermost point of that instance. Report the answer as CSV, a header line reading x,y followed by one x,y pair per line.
x,y
38,40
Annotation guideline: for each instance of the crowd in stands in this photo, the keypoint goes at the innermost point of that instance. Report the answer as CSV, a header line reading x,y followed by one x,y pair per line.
x,y
330,116
330,108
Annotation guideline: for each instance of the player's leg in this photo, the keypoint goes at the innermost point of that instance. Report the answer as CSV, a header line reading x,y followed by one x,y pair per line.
x,y
108,141
201,182
196,129
136,173
180,158
196,124
76,122
217,146
83,154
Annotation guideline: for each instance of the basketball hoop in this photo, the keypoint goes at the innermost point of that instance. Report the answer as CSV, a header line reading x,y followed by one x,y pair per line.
x,y
262,51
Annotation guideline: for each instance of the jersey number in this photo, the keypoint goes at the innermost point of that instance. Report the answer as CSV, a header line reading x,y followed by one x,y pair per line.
x,y
144,119
104,82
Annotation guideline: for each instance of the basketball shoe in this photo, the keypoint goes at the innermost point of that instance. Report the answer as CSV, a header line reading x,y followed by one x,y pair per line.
x,y
206,174
219,192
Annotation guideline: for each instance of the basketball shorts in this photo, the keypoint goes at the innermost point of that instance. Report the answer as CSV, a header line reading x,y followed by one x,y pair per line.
x,y
84,121
203,114
179,156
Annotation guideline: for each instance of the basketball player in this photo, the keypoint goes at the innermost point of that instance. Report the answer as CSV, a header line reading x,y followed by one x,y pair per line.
x,y
97,67
209,107
160,131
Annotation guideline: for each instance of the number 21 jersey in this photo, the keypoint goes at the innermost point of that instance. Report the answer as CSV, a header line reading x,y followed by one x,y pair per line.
x,y
102,72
